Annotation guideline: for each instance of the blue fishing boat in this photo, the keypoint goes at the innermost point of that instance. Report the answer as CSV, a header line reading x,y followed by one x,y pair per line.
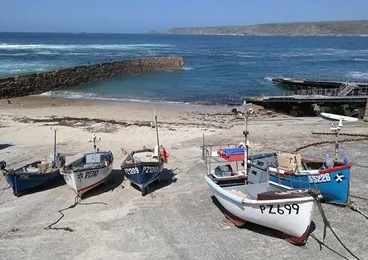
x,y
143,167
332,180
31,176
38,174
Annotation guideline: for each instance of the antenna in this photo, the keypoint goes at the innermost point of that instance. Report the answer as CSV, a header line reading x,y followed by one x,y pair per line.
x,y
95,140
336,130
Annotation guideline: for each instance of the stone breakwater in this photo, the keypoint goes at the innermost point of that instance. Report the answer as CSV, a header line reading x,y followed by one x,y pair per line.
x,y
37,83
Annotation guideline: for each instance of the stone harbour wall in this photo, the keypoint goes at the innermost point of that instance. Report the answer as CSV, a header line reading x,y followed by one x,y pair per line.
x,y
37,83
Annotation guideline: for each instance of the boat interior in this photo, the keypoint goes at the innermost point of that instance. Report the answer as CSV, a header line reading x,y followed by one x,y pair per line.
x,y
252,191
38,167
92,161
145,155
258,165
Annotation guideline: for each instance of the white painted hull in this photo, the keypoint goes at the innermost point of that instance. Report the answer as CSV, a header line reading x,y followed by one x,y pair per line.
x,y
338,117
85,180
294,224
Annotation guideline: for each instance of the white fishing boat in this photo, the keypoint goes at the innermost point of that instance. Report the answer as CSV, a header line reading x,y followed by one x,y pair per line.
x,y
286,210
336,117
256,199
89,171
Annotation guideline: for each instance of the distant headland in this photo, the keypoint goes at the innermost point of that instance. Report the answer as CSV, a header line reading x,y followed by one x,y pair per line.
x,y
326,28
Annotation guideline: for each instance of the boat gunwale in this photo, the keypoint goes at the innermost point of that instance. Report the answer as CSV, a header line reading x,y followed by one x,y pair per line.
x,y
65,171
246,201
19,171
311,172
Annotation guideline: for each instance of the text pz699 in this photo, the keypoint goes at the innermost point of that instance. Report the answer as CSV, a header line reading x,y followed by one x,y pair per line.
x,y
277,209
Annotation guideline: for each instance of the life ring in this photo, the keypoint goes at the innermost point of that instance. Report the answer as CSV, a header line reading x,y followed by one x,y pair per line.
x,y
241,145
163,154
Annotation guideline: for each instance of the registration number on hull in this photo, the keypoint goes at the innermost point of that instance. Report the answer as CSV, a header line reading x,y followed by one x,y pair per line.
x,y
146,169
319,178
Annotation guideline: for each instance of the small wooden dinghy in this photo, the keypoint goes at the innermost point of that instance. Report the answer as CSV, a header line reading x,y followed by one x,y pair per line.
x,y
38,174
89,171
143,167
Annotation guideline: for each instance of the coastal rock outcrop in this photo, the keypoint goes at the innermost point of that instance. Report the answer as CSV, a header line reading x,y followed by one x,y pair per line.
x,y
37,83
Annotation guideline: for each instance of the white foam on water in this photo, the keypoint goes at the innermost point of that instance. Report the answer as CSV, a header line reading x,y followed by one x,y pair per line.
x,y
358,74
80,95
268,78
5,46
188,68
358,59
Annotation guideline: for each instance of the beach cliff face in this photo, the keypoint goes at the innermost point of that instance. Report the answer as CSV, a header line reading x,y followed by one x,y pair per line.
x,y
37,83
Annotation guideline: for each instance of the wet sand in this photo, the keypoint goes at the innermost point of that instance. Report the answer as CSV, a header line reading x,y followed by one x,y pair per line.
x,y
178,220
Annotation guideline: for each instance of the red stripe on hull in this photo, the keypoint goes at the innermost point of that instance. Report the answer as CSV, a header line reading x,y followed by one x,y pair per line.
x,y
90,186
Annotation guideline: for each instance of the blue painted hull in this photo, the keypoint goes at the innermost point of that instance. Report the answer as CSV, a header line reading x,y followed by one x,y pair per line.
x,y
24,182
334,185
142,174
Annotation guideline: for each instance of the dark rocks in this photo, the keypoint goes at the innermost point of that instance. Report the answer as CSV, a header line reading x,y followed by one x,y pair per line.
x,y
37,83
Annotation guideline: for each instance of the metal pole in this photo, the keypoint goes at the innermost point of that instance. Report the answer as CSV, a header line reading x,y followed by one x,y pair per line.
x,y
158,141
245,139
54,146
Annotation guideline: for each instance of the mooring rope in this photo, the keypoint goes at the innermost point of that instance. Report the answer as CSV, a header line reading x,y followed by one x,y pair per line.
x,y
354,206
346,134
328,225
330,142
76,202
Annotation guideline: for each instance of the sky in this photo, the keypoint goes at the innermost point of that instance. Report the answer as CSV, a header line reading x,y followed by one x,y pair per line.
x,y
137,16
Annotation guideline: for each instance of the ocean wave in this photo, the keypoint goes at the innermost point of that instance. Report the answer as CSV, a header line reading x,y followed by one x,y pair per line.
x,y
358,75
5,46
85,95
268,78
358,59
188,68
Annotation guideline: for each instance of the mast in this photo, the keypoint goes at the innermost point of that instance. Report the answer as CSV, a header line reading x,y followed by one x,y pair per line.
x,y
245,132
54,152
157,138
247,112
336,130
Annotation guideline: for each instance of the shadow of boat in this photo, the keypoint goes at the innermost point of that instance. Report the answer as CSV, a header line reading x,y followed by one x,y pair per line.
x,y
166,177
258,228
114,180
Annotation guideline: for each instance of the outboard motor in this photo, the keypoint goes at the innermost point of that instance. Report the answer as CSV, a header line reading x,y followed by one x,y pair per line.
x,y
2,165
62,161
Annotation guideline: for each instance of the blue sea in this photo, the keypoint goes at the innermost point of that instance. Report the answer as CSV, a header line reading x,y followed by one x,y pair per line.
x,y
218,69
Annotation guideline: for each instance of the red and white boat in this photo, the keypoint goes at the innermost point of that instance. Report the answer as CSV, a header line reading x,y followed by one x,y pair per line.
x,y
88,171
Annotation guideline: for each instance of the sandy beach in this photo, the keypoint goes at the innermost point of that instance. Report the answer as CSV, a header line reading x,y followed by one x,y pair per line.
x,y
178,220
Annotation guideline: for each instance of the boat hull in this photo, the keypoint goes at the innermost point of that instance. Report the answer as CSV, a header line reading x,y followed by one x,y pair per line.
x,y
22,182
334,183
290,216
144,173
82,181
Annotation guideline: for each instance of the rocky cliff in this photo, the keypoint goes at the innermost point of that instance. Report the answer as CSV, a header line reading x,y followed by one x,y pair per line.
x,y
37,83
301,28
